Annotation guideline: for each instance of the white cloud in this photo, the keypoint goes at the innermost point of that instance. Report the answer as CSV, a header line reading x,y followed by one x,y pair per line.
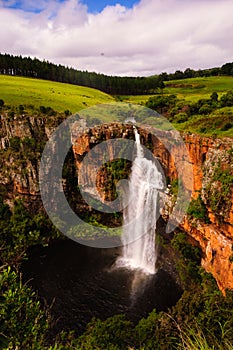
x,y
153,36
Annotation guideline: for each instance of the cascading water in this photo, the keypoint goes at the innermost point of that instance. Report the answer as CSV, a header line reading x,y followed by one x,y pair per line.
x,y
141,213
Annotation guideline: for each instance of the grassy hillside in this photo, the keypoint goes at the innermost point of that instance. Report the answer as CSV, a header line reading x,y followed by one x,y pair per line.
x,y
218,120
190,89
15,91
193,90
196,88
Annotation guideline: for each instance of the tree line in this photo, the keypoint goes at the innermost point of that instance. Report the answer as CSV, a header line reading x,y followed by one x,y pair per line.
x,y
226,69
28,67
114,85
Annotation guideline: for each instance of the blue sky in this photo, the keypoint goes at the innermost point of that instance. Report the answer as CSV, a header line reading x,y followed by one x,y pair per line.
x,y
93,5
97,6
129,37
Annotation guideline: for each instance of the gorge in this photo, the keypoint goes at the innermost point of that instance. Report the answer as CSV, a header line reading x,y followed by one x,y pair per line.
x,y
210,158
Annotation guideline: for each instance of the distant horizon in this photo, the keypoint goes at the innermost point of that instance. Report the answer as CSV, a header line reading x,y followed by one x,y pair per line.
x,y
70,67
120,38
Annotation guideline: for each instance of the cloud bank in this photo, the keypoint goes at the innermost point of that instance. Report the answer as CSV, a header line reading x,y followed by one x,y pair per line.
x,y
152,37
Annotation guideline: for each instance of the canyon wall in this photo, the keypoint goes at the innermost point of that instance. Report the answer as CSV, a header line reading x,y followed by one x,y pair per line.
x,y
22,142
212,165
23,139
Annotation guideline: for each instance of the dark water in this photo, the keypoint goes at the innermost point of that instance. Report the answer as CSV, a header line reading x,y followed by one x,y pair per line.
x,y
80,282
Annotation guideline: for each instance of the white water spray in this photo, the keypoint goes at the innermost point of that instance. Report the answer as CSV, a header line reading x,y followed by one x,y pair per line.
x,y
140,216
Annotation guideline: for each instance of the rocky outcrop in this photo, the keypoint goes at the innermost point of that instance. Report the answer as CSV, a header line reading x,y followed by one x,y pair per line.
x,y
213,179
217,249
22,142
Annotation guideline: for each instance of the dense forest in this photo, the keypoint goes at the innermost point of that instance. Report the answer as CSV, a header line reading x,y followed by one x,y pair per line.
x,y
115,85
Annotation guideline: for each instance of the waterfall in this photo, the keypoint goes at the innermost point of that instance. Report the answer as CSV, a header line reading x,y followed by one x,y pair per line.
x,y
141,213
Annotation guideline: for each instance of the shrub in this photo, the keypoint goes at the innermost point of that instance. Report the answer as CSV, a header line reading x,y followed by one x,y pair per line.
x,y
197,209
47,110
214,96
15,143
161,103
11,114
227,99
220,197
67,112
21,109
180,117
226,126
114,333
205,109
24,322
43,109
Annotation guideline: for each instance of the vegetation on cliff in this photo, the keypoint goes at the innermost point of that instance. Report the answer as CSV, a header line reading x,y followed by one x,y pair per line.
x,y
218,183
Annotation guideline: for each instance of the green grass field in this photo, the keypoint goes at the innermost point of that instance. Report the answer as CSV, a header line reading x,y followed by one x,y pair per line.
x,y
190,90
15,91
196,88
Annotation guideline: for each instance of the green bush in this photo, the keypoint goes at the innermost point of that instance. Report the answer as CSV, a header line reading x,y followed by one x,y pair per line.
x,y
214,97
24,323
161,103
20,230
21,109
219,197
115,333
11,114
180,118
227,126
197,209
227,99
205,109
67,112
48,111
15,143
188,260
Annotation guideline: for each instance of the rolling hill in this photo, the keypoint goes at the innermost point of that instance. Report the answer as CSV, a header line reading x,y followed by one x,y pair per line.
x,y
217,122
15,91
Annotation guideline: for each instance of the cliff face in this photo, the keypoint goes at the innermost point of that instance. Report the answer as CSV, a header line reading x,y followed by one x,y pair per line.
x,y
23,139
22,142
212,164
213,179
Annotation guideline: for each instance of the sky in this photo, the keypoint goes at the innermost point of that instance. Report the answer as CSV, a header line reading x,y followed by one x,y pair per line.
x,y
124,37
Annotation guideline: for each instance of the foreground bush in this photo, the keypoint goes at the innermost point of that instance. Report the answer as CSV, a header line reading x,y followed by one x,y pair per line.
x,y
24,323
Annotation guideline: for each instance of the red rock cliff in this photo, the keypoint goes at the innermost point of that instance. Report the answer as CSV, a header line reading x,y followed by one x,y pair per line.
x,y
209,158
